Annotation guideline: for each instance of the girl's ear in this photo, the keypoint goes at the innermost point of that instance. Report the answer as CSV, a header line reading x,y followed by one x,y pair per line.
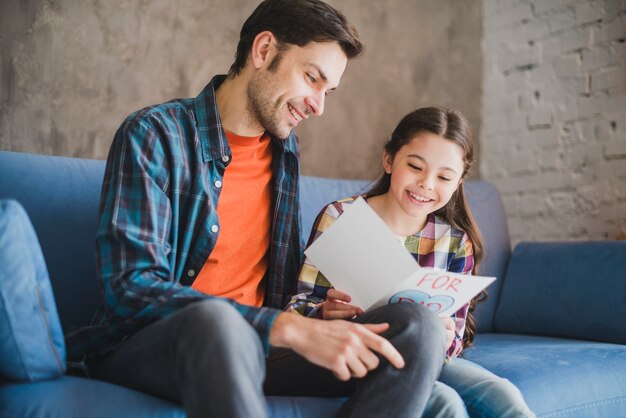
x,y
387,160
262,48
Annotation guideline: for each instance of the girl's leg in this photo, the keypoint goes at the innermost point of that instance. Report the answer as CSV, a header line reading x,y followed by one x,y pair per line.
x,y
444,402
485,395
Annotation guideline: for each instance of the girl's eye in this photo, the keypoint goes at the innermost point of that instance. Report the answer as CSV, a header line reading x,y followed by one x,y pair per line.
x,y
444,178
311,78
415,167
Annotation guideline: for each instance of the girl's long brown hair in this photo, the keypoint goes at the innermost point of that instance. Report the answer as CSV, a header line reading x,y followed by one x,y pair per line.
x,y
453,126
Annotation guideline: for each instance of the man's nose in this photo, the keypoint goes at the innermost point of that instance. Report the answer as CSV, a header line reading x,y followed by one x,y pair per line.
x,y
315,102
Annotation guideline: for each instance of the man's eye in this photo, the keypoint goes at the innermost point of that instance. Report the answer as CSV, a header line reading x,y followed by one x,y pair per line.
x,y
311,78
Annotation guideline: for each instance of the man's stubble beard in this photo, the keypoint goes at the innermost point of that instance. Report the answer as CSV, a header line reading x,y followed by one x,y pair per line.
x,y
262,109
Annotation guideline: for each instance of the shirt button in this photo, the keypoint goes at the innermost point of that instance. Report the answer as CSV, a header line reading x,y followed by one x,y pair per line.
x,y
218,184
225,158
191,272
214,228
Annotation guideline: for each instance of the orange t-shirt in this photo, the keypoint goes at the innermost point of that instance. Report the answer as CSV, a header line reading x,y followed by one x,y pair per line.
x,y
236,266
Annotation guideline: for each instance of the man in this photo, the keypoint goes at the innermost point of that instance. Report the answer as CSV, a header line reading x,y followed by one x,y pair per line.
x,y
198,245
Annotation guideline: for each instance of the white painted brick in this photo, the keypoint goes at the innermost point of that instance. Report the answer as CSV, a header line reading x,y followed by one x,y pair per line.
x,y
567,65
598,57
610,170
589,106
618,167
589,12
609,31
545,137
519,11
548,160
562,20
505,104
516,82
502,6
567,202
567,110
618,53
620,190
538,76
531,204
539,118
500,123
576,39
608,78
543,6
526,100
574,156
594,154
519,164
570,134
602,194
577,84
537,30
615,148
613,7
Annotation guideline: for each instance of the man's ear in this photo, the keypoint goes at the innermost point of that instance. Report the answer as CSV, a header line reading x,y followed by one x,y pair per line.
x,y
263,48
387,160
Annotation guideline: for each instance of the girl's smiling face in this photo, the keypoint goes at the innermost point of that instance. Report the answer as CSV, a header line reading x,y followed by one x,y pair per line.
x,y
425,173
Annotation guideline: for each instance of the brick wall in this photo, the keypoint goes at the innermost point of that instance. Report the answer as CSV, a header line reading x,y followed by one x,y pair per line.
x,y
554,116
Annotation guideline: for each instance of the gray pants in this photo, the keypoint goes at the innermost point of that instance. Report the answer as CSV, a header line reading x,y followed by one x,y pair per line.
x,y
209,359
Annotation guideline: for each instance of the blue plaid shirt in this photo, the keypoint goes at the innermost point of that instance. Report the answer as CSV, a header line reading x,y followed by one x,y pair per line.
x,y
158,221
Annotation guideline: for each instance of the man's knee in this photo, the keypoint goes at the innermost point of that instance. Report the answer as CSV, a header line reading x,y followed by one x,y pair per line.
x,y
214,325
413,330
416,321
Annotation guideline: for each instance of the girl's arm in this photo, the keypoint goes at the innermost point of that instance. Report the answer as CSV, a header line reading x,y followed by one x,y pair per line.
x,y
462,262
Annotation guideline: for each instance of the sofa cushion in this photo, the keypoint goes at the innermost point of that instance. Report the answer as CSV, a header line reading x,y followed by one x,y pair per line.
x,y
558,377
31,339
72,396
570,290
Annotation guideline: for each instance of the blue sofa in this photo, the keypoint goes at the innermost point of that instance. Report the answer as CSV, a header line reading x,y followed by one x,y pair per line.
x,y
553,324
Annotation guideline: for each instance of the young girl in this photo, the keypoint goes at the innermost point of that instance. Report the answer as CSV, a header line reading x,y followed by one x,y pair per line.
x,y
420,198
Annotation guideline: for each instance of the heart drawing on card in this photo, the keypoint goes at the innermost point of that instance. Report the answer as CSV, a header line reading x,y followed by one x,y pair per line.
x,y
433,303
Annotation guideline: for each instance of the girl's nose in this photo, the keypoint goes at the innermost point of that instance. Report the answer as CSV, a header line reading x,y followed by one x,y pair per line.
x,y
426,183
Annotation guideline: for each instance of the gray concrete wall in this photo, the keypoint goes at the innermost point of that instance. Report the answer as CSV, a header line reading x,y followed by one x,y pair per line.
x,y
554,116
71,70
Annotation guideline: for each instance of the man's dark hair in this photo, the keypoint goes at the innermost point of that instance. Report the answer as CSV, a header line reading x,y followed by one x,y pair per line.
x,y
296,22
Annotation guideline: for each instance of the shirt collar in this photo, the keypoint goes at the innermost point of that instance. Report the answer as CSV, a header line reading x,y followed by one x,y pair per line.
x,y
211,133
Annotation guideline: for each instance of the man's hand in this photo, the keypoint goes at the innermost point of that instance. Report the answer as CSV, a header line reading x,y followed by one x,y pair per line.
x,y
345,348
450,331
337,306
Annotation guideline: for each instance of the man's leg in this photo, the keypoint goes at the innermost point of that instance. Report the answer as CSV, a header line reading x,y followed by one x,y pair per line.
x,y
485,394
205,356
386,391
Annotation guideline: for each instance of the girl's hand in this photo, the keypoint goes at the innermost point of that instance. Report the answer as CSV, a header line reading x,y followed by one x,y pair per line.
x,y
337,306
449,324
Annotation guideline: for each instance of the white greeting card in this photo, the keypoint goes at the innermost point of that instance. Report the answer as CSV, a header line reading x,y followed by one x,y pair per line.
x,y
360,256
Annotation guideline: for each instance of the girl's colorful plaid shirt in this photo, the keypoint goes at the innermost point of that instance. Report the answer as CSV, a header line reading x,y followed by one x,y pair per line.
x,y
437,245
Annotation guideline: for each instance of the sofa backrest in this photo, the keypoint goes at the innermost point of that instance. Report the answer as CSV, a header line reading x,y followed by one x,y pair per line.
x,y
566,289
61,196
